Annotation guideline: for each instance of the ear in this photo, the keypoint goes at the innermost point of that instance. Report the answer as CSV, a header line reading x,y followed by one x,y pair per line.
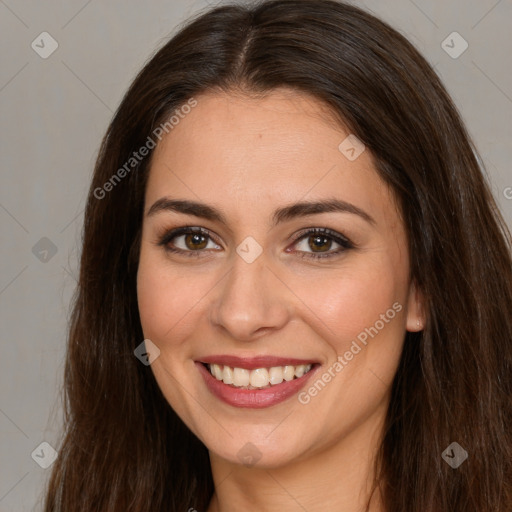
x,y
415,309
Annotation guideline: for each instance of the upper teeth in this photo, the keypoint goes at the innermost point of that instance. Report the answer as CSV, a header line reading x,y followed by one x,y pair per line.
x,y
258,378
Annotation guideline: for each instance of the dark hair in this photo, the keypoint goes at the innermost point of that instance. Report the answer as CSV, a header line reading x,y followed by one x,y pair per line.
x,y
124,448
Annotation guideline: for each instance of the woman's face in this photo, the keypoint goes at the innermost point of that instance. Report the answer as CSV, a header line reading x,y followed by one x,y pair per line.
x,y
258,294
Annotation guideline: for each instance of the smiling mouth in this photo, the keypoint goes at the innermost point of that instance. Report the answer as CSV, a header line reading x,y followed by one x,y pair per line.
x,y
258,378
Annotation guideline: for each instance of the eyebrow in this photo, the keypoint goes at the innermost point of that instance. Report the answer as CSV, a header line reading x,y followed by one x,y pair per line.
x,y
283,214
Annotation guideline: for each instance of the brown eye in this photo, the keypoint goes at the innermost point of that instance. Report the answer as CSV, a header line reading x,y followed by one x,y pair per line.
x,y
195,241
320,242
188,241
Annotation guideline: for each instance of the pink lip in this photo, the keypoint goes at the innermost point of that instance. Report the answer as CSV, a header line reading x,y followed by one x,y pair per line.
x,y
254,398
251,363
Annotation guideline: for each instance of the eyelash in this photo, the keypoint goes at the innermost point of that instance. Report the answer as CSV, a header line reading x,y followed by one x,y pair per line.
x,y
341,240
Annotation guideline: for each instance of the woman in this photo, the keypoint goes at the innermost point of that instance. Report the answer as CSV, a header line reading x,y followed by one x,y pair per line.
x,y
295,288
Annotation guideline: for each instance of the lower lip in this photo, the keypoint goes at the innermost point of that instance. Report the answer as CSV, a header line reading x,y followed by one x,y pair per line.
x,y
253,398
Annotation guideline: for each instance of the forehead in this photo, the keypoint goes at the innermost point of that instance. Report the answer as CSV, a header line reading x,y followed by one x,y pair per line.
x,y
282,147
282,118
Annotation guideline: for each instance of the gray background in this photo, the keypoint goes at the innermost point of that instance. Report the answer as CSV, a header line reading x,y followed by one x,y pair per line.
x,y
54,113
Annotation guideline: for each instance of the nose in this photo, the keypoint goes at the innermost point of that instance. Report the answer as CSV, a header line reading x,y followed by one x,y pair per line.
x,y
251,301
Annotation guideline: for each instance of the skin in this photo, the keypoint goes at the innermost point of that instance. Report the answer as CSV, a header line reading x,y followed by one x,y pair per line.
x,y
247,157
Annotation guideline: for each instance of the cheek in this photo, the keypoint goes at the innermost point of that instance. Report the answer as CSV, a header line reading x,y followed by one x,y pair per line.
x,y
347,301
166,299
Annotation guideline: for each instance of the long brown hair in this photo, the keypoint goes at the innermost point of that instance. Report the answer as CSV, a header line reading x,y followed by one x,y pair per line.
x,y
123,448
